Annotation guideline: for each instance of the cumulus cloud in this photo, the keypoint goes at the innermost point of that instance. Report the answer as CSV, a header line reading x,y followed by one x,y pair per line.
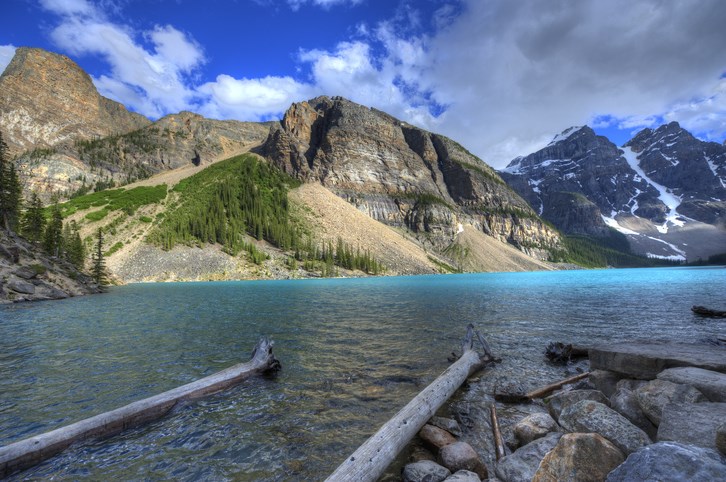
x,y
6,55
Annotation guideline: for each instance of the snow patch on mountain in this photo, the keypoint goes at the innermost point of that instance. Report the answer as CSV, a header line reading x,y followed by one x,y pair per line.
x,y
665,195
564,135
613,223
712,166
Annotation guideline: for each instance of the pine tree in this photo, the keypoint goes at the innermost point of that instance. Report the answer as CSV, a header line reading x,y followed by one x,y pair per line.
x,y
53,237
10,190
75,251
34,220
99,264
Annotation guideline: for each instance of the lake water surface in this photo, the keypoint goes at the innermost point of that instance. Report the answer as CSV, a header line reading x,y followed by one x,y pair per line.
x,y
353,352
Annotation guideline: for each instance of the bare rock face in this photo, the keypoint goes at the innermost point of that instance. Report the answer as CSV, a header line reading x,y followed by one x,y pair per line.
x,y
399,174
579,457
46,99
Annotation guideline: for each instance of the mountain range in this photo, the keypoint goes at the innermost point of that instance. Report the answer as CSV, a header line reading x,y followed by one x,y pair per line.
x,y
664,189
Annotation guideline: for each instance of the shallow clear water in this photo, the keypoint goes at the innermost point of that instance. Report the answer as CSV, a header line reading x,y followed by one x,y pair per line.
x,y
353,352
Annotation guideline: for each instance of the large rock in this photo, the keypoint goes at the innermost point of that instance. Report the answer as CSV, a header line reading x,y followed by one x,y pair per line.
x,y
645,360
461,456
424,471
20,286
435,437
533,427
671,461
692,423
579,457
712,384
590,416
605,381
658,393
522,464
561,400
626,403
463,476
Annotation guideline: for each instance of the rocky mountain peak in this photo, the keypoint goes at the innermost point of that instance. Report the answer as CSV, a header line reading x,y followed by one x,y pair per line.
x,y
46,99
665,135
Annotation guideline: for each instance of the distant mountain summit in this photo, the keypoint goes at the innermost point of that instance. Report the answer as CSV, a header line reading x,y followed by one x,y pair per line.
x,y
46,99
664,189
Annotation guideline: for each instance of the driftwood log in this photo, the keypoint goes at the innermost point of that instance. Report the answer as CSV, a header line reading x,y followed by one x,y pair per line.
x,y
497,433
31,451
538,393
708,312
372,458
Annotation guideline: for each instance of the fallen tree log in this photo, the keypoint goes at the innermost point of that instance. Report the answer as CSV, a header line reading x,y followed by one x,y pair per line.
x,y
375,455
31,451
521,397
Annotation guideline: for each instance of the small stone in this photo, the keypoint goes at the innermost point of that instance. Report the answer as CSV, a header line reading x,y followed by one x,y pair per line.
x,y
590,416
605,381
460,455
671,461
448,424
625,403
579,457
435,437
561,400
712,384
522,464
419,453
463,476
692,423
424,471
533,427
653,396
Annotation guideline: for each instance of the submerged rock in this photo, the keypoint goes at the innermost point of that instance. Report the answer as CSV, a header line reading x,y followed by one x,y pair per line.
x,y
561,400
711,384
692,423
533,427
579,457
424,471
671,461
590,416
522,464
655,395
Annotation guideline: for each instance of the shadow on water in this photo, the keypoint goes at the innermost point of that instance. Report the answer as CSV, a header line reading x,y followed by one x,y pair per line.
x,y
353,352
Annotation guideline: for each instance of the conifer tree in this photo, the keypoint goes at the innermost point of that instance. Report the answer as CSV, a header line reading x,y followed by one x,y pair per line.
x,y
99,264
10,190
75,251
34,221
53,236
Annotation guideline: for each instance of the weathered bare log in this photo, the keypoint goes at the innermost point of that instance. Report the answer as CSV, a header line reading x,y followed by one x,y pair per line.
x,y
373,457
31,451
544,391
498,441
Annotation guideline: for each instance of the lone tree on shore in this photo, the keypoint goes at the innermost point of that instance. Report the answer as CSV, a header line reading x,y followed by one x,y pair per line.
x,y
98,271
10,190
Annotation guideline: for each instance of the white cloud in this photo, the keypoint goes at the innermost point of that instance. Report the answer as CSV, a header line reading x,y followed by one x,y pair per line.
x,y
296,4
6,55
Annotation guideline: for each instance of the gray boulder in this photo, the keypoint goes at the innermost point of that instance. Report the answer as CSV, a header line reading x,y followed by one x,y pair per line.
x,y
424,471
630,384
461,456
561,400
25,273
20,286
590,416
711,384
533,427
463,476
605,381
579,457
655,395
671,461
625,403
692,423
522,464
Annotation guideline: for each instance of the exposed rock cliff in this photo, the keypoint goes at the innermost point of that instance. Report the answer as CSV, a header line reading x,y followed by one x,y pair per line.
x,y
46,98
401,175
27,274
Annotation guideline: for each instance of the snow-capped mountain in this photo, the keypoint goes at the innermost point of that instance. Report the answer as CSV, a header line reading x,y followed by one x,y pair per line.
x,y
664,189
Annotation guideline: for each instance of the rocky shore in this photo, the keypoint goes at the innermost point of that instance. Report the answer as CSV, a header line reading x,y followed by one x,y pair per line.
x,y
647,411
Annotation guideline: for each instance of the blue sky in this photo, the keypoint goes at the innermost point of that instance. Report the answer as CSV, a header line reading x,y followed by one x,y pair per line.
x,y
501,77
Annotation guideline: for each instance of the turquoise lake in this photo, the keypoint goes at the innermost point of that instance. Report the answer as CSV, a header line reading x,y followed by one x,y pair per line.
x,y
353,352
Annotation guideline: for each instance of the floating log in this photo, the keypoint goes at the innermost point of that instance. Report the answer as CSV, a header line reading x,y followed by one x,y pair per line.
x,y
31,451
707,312
375,455
498,442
